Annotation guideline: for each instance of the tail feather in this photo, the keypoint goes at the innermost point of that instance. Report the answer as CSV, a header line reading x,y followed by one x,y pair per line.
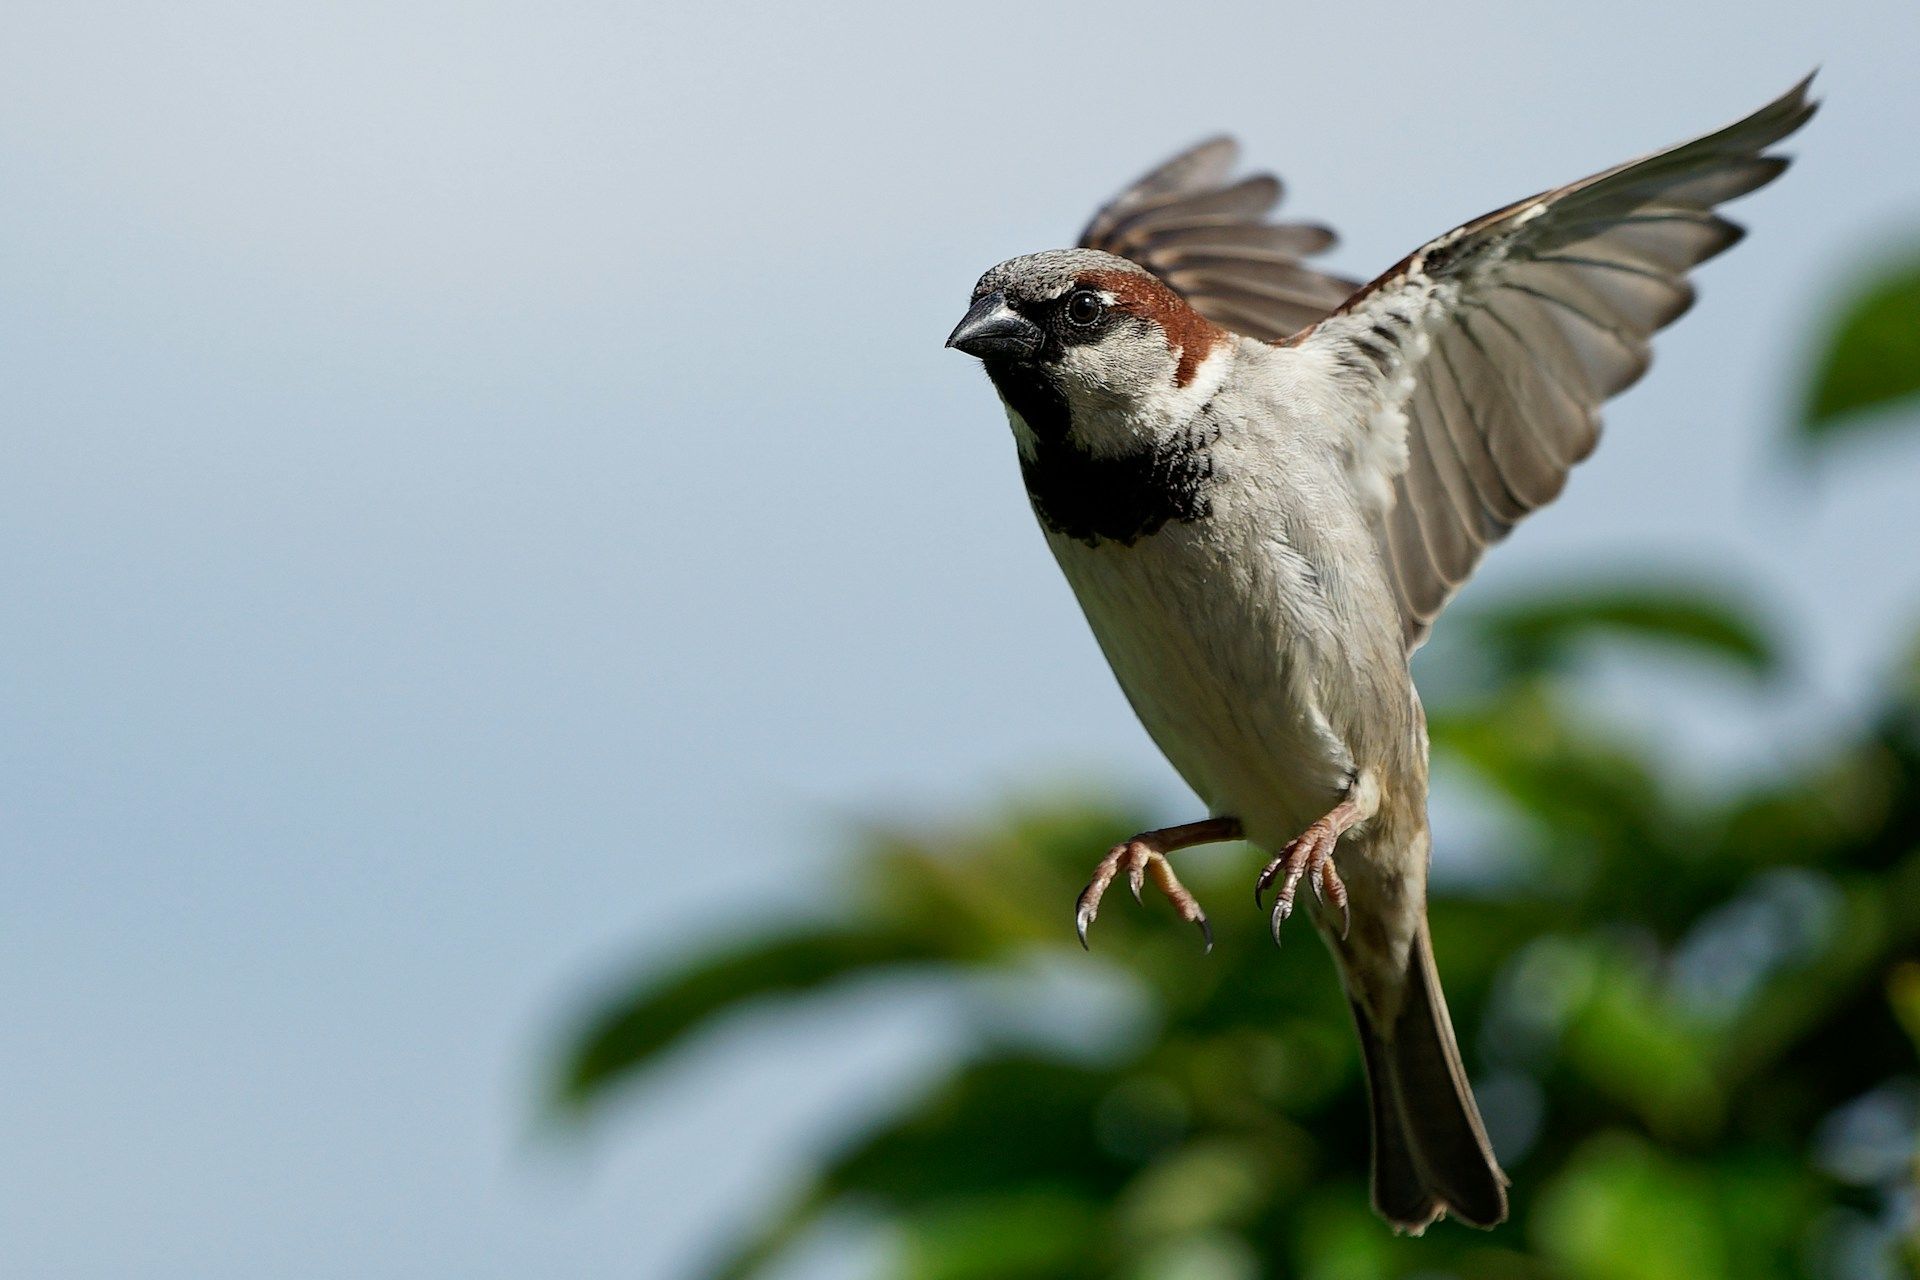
x,y
1430,1151
1400,1195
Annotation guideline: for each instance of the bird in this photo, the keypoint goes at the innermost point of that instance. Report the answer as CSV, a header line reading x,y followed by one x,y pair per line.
x,y
1264,483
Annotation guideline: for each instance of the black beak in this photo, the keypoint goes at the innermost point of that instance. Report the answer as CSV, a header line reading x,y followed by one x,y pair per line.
x,y
992,328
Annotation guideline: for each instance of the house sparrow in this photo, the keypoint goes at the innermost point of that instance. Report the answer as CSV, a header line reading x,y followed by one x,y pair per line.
x,y
1264,484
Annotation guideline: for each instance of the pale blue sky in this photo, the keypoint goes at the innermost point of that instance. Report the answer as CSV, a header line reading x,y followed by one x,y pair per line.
x,y
484,496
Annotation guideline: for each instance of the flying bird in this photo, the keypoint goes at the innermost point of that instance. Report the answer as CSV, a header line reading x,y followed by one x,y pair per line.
x,y
1264,483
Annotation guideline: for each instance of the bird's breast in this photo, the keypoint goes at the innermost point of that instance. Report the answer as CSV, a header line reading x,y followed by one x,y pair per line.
x,y
1219,633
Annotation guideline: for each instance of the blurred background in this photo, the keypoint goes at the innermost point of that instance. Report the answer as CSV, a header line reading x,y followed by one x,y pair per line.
x,y
541,738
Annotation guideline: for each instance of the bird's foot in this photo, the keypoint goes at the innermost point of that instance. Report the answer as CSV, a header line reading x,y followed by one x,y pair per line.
x,y
1146,855
1309,856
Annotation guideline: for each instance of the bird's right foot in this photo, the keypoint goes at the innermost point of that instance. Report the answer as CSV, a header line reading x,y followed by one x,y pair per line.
x,y
1146,855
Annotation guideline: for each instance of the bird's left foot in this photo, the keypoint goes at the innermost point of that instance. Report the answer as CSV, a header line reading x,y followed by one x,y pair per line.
x,y
1309,856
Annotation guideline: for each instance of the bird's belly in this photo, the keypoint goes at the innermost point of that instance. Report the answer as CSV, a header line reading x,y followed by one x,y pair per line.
x,y
1223,660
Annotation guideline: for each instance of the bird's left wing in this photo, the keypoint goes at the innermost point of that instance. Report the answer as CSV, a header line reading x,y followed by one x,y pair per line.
x,y
1487,353
1206,235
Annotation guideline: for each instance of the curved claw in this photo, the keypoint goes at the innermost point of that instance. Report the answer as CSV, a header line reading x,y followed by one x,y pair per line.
x,y
1264,881
1206,936
1083,915
1137,878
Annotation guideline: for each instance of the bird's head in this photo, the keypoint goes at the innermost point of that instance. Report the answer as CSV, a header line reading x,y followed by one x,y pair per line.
x,y
1086,346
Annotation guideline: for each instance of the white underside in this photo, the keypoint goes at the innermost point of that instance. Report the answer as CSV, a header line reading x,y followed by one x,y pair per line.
x,y
1194,624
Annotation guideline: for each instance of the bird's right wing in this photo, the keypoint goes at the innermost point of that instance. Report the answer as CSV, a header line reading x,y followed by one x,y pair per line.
x,y
1208,239
1487,353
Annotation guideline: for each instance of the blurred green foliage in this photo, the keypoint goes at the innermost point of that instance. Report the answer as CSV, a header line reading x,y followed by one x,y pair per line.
x,y
1693,1016
1871,356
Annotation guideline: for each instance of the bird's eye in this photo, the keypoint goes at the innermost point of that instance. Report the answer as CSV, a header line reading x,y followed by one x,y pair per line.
x,y
1084,306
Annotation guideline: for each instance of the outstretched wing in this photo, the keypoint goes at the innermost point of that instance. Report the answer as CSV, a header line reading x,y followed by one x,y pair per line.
x,y
1207,237
1489,351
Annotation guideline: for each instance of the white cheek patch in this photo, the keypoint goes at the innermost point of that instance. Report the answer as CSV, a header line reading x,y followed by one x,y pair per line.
x,y
1123,393
1130,360
1114,389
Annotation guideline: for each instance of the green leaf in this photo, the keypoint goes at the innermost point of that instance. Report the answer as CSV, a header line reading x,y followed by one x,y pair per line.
x,y
1546,632
1623,1211
1871,357
1002,1122
1220,1182
1879,926
1034,1233
1628,1041
1590,797
1903,994
749,1252
630,1030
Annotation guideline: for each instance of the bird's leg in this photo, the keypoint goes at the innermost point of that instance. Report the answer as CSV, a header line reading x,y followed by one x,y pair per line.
x,y
1146,855
1311,854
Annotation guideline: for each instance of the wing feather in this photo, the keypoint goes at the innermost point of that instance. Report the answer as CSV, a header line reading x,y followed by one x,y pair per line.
x,y
1497,502
1500,340
1450,550
1205,234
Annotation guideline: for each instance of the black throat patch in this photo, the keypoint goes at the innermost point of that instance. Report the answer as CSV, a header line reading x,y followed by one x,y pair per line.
x,y
1121,499
1105,499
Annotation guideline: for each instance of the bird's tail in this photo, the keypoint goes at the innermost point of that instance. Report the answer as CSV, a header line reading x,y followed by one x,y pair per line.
x,y
1430,1151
